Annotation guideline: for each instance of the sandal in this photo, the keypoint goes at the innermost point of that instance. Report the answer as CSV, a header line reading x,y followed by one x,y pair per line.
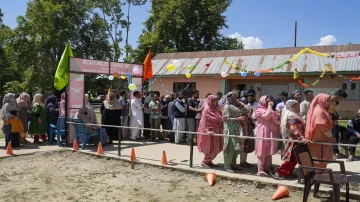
x,y
262,174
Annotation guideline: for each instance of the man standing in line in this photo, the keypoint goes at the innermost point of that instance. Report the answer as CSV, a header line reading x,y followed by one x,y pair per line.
x,y
124,114
137,116
155,117
251,91
193,109
305,105
334,101
279,107
179,111
170,121
146,133
253,105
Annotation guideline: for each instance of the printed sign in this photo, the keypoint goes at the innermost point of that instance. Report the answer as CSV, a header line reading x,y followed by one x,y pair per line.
x,y
76,91
89,66
125,68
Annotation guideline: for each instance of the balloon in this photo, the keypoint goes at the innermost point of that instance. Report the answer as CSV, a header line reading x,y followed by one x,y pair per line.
x,y
190,67
350,81
188,75
171,67
115,74
136,67
123,77
257,74
243,74
224,74
111,77
128,75
132,86
137,71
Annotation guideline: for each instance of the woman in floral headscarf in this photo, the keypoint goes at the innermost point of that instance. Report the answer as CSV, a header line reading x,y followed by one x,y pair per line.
x,y
211,122
23,101
38,125
319,129
267,127
292,128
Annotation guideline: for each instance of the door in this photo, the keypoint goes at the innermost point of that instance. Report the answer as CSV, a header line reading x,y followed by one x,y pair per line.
x,y
274,90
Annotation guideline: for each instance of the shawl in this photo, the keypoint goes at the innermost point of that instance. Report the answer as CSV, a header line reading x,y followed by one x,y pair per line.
x,y
9,104
83,115
51,102
62,105
318,114
287,114
111,103
23,100
91,112
38,100
213,114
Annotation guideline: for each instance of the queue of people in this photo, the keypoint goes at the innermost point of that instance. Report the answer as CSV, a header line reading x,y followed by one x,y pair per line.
x,y
311,120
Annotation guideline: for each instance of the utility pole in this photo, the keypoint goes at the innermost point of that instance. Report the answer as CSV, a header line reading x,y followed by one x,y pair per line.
x,y
295,33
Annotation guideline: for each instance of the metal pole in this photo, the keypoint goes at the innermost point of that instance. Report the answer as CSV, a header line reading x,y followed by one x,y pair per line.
x,y
191,150
119,140
295,33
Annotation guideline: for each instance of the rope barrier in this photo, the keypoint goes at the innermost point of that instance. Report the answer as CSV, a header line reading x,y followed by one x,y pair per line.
x,y
197,133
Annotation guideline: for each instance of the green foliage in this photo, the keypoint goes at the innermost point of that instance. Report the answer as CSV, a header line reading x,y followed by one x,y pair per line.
x,y
184,26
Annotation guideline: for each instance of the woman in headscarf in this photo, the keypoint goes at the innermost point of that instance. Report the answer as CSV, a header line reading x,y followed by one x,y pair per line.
x,y
319,129
232,116
38,125
23,101
8,105
248,145
210,123
267,123
292,128
62,105
90,117
52,112
110,115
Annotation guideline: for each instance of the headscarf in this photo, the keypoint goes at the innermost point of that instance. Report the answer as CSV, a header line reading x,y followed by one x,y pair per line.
x,y
83,115
87,103
318,115
262,101
38,100
90,109
51,103
213,114
9,104
289,113
112,103
21,100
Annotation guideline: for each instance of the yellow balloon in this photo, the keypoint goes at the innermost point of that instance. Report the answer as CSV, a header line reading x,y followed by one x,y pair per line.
x,y
171,67
188,75
132,86
123,77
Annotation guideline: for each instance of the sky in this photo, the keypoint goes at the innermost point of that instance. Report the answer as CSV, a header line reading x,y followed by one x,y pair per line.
x,y
260,23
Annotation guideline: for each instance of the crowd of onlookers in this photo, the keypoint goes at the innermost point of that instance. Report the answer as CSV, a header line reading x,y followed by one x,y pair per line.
x,y
239,113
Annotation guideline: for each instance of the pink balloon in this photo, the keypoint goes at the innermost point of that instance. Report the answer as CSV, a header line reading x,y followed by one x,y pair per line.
x,y
137,71
224,74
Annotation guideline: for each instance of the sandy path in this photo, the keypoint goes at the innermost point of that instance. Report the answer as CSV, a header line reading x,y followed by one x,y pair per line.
x,y
67,176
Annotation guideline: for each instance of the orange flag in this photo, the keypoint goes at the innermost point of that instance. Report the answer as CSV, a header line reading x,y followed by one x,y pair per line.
x,y
147,67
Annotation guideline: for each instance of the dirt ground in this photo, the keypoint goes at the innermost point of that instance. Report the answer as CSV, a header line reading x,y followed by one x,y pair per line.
x,y
68,176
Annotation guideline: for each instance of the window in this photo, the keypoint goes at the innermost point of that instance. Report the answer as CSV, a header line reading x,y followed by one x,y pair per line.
x,y
353,86
187,88
352,89
344,86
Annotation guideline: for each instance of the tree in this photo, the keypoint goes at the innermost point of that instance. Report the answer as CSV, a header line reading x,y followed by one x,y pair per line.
x,y
38,41
184,26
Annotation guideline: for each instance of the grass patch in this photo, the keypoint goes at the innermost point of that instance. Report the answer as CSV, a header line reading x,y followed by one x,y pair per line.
x,y
2,136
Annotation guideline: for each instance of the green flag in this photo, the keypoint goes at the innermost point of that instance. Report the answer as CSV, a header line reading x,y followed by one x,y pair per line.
x,y
62,75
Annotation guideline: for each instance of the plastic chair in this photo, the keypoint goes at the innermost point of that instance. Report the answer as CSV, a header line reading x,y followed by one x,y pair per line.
x,y
306,165
59,130
81,131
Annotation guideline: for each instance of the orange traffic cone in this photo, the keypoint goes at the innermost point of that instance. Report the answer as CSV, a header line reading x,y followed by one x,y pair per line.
x,y
164,159
132,155
100,150
9,150
210,177
281,192
75,145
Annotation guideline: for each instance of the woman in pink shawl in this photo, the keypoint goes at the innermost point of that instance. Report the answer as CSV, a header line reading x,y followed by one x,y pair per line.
x,y
211,122
319,129
62,105
268,126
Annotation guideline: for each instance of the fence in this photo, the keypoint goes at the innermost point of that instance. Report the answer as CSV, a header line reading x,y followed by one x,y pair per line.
x,y
196,133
